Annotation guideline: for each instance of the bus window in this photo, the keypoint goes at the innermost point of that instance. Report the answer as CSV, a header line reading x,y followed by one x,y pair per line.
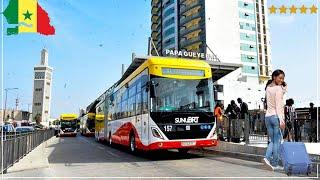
x,y
132,106
138,85
144,102
124,109
139,103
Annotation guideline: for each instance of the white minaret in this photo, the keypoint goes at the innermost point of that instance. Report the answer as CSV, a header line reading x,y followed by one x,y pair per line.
x,y
42,89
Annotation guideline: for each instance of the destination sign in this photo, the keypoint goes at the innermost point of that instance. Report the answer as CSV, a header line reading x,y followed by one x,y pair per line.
x,y
183,72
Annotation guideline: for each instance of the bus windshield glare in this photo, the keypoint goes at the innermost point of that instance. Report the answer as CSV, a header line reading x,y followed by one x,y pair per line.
x,y
68,124
182,95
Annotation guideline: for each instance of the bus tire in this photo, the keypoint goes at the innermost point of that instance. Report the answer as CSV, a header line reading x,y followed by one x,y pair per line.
x,y
132,143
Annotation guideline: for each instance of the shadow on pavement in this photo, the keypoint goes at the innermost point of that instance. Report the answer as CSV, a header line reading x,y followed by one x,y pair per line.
x,y
71,150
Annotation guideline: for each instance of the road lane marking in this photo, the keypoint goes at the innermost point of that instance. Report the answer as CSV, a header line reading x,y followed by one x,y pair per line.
x,y
99,146
113,154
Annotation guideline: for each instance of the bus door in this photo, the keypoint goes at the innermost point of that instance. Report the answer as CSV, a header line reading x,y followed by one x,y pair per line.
x,y
107,117
144,117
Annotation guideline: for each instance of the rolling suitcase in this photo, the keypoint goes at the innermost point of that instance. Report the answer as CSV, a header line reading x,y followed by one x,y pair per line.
x,y
295,158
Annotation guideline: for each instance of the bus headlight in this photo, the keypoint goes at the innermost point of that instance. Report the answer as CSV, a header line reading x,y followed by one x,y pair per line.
x,y
156,133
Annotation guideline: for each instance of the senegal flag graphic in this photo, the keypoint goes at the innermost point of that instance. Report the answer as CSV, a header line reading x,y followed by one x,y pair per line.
x,y
28,17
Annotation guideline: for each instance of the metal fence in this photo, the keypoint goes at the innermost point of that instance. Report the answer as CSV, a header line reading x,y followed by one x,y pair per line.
x,y
258,131
17,145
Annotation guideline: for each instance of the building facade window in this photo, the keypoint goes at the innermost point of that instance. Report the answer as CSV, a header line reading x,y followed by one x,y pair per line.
x,y
168,3
169,31
249,58
247,26
248,47
245,15
37,104
39,75
169,22
168,12
246,5
38,89
250,70
169,41
248,37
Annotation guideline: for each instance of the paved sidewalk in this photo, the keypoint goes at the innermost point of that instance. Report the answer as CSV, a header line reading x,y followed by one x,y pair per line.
x,y
36,163
257,153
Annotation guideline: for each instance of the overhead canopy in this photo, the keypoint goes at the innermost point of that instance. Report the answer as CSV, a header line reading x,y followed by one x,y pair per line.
x,y
136,62
221,69
92,107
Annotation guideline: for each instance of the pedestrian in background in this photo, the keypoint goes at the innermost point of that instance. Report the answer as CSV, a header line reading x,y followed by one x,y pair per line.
x,y
244,119
219,120
274,120
290,119
313,126
232,112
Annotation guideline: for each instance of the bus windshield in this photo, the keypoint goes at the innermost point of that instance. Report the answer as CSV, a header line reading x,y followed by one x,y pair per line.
x,y
182,95
68,124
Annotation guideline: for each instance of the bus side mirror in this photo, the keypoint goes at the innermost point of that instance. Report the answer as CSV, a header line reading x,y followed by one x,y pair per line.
x,y
151,86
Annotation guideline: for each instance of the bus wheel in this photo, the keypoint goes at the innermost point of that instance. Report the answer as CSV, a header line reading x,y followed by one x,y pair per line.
x,y
183,151
132,143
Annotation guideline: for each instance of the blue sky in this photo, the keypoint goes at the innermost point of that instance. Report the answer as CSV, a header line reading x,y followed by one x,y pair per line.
x,y
93,39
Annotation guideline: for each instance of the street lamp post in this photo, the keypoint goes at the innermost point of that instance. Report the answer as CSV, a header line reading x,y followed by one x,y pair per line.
x,y
5,102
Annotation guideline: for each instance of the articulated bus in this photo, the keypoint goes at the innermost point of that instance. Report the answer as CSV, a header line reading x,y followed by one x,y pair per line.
x,y
68,125
87,124
160,103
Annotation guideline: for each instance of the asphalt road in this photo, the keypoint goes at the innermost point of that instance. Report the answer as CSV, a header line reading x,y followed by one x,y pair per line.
x,y
83,157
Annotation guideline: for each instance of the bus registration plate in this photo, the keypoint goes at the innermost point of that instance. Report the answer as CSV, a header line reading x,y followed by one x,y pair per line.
x,y
188,143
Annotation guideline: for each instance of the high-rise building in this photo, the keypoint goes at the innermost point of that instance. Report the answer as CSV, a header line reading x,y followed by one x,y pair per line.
x,y
42,89
236,31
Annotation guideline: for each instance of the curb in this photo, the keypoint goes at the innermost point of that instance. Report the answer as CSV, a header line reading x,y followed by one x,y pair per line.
x,y
249,153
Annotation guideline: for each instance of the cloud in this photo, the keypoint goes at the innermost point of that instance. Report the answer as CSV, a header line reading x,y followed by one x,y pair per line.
x,y
281,19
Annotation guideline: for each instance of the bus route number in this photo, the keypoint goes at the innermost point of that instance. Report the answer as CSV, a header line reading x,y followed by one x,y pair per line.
x,y
168,128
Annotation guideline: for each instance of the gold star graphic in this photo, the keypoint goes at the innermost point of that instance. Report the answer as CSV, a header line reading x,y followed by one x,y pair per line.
x,y
313,9
293,10
303,9
283,9
272,9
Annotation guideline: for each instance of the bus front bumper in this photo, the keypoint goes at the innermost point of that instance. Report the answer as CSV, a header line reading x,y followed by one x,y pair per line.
x,y
182,144
68,134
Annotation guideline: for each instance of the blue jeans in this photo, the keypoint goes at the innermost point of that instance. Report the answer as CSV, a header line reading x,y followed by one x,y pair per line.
x,y
273,127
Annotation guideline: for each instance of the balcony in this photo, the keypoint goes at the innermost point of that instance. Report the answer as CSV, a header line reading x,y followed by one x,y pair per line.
x,y
190,18
155,10
191,29
155,34
187,42
185,8
154,18
155,3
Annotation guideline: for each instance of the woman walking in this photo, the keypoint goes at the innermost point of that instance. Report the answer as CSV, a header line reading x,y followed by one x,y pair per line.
x,y
274,120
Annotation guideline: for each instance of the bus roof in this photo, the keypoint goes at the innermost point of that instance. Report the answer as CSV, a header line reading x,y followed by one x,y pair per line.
x,y
99,117
68,116
91,115
139,64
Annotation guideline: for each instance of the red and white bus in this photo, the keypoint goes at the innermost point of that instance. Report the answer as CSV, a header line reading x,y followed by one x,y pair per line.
x,y
160,103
